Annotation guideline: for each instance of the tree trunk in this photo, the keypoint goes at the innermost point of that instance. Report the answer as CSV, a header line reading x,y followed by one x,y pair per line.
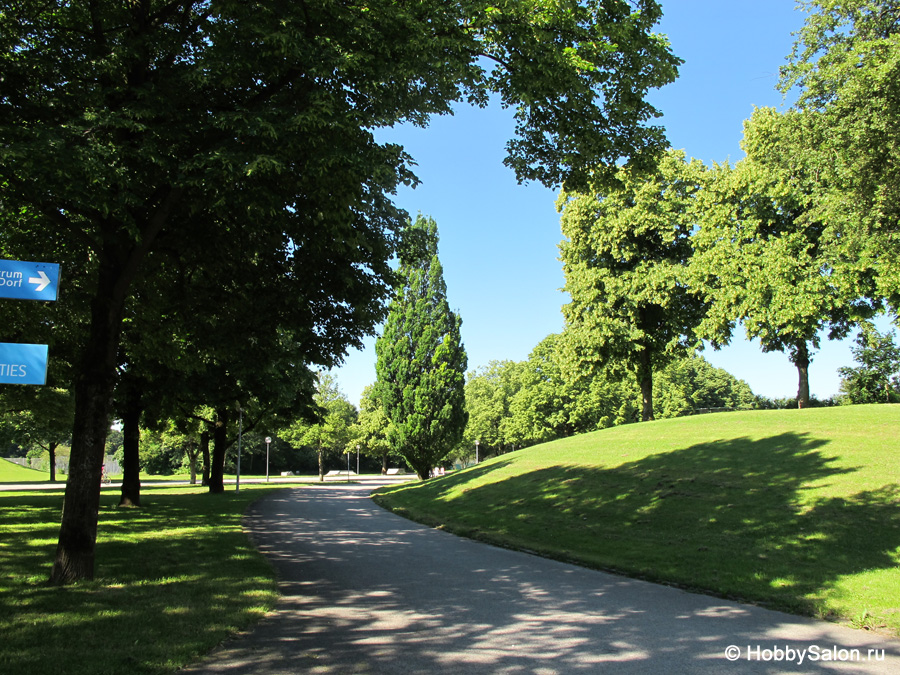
x,y
220,441
801,360
204,450
131,443
321,465
51,451
645,381
384,466
193,452
93,395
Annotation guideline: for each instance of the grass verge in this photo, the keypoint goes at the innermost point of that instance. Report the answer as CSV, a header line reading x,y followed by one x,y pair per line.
x,y
797,510
173,579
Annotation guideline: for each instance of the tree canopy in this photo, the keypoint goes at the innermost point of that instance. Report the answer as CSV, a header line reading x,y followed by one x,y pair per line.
x,y
624,257
129,131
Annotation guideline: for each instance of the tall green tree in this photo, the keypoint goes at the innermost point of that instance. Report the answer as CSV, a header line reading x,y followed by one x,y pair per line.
x,y
37,417
369,434
131,129
421,361
845,129
877,377
489,391
624,256
765,261
558,397
331,429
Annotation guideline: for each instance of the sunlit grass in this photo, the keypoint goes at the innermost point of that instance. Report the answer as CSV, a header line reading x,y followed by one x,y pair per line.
x,y
797,509
10,472
173,579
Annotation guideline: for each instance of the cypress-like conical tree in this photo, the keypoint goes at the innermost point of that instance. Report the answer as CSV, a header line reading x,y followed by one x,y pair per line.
x,y
421,362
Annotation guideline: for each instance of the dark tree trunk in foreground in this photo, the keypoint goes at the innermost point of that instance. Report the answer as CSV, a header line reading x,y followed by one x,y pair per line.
x,y
321,465
131,441
801,360
93,395
220,442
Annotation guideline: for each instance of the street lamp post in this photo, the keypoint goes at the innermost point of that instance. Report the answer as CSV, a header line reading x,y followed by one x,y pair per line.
x,y
476,450
357,459
268,440
237,482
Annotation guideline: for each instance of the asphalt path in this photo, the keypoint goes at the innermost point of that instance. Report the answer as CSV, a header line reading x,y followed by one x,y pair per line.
x,y
365,591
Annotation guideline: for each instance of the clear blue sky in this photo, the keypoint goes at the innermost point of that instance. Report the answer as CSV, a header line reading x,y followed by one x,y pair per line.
x,y
499,239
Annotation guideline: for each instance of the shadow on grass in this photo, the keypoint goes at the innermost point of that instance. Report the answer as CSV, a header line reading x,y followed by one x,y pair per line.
x,y
173,579
737,517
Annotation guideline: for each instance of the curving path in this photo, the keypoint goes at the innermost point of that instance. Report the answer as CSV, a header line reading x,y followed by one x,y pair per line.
x,y
365,591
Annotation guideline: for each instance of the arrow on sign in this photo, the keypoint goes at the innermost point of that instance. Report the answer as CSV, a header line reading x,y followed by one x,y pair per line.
x,y
41,281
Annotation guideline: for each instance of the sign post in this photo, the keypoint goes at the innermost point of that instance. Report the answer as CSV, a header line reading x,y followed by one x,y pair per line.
x,y
28,280
21,280
23,364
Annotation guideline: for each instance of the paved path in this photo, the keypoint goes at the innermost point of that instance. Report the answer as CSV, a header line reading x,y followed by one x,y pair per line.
x,y
365,591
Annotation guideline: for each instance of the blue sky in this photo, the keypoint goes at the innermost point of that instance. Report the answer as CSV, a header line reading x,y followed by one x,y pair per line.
x,y
499,239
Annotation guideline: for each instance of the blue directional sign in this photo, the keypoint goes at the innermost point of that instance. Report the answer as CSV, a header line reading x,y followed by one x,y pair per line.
x,y
23,364
28,280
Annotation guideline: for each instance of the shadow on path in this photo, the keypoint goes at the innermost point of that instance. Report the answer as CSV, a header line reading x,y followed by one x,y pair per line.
x,y
365,591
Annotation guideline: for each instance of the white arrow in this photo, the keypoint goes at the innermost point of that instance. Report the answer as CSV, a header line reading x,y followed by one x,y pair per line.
x,y
42,281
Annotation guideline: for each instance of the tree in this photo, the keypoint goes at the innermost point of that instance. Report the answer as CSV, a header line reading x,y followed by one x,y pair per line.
x,y
369,434
845,130
689,385
624,258
763,260
128,130
489,392
421,362
331,431
877,377
558,398
37,417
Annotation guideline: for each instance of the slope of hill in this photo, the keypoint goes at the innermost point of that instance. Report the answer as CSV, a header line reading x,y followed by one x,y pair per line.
x,y
10,472
798,510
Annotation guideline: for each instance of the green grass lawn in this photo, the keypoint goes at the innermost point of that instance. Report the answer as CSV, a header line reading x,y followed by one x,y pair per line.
x,y
10,472
796,509
173,579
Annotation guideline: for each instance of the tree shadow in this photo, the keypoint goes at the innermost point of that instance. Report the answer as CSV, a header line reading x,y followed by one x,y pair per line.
x,y
737,517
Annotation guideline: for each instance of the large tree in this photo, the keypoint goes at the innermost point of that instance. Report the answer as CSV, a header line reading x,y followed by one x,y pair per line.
x,y
127,128
844,131
763,259
877,377
331,427
624,257
421,362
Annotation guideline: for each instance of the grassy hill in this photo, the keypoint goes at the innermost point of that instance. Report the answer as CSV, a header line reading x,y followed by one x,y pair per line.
x,y
10,472
797,510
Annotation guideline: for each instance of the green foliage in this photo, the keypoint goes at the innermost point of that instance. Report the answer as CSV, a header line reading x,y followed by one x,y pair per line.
x,y
332,431
229,146
845,69
624,258
877,377
489,393
692,385
421,361
370,433
767,262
